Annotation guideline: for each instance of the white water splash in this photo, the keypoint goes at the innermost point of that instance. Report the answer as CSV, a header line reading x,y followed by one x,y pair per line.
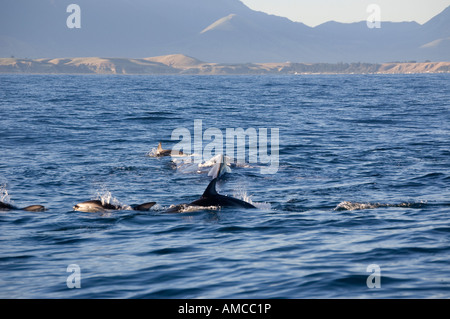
x,y
216,160
185,208
4,196
157,207
242,195
152,152
220,165
106,197
212,166
346,205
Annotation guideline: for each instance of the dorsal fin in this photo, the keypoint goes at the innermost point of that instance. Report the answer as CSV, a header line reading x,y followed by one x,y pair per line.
x,y
159,147
145,206
211,189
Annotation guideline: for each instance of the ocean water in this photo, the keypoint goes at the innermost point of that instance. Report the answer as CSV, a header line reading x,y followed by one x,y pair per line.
x,y
363,180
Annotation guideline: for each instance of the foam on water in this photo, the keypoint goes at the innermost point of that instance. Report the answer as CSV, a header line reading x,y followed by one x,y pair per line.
x,y
152,152
190,209
346,205
4,196
242,194
211,166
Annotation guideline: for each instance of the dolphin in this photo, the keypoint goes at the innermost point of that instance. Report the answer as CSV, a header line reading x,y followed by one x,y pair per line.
x,y
216,166
32,208
220,168
97,206
211,198
160,152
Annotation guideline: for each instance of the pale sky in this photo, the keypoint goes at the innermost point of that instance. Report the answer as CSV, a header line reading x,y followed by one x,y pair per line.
x,y
315,12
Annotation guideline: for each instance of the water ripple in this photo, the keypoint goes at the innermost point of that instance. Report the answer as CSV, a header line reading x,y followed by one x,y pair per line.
x,y
363,179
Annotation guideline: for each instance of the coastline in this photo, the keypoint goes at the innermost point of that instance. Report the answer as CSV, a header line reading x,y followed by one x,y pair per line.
x,y
179,64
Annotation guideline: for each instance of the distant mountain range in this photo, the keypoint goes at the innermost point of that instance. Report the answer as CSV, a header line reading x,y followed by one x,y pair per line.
x,y
181,64
221,31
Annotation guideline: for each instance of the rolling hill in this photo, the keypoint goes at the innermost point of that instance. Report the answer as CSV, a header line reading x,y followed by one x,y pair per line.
x,y
181,64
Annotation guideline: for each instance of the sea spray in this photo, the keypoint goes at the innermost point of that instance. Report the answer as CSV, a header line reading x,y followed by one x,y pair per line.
x,y
4,196
346,205
106,197
242,194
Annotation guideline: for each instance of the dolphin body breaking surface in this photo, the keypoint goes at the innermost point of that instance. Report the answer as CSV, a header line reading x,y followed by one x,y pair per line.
x,y
211,198
217,166
160,152
221,166
97,206
32,208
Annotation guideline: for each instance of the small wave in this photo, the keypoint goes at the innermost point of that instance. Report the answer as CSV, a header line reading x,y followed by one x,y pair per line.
x,y
243,165
149,118
361,206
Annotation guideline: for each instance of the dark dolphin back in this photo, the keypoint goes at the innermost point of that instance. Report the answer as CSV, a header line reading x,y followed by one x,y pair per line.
x,y
5,206
34,208
145,206
211,198
211,191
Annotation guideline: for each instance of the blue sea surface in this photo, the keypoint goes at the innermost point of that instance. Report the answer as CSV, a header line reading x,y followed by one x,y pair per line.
x,y
363,179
